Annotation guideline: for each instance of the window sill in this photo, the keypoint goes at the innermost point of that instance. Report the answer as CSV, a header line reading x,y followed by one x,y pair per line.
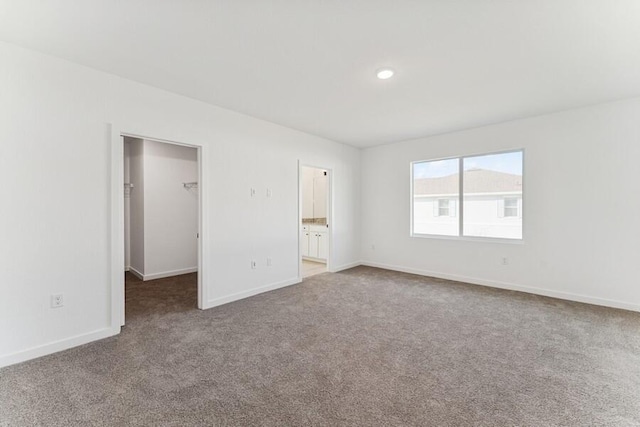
x,y
470,239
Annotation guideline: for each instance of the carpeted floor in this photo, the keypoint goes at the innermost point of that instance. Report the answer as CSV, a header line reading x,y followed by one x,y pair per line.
x,y
363,347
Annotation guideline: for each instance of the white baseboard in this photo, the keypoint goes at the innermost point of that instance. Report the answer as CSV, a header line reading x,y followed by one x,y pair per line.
x,y
312,259
510,286
164,274
136,273
251,292
56,346
345,266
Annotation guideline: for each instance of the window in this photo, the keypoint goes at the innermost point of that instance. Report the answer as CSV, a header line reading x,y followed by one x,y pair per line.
x,y
510,208
488,189
435,194
443,207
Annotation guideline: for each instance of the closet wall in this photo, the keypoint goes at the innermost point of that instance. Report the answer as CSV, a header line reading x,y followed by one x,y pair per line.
x,y
135,215
163,213
127,206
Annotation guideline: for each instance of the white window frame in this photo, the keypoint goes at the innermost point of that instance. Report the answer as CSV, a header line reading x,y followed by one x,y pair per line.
x,y
460,201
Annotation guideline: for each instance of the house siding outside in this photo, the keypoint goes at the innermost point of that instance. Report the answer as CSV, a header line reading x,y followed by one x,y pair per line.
x,y
492,205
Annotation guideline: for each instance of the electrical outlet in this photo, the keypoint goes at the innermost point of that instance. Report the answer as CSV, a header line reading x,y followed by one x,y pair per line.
x,y
254,264
269,262
57,301
505,261
269,192
252,192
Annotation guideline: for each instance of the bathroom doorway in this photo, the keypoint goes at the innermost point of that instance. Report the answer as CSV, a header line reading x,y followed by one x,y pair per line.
x,y
315,224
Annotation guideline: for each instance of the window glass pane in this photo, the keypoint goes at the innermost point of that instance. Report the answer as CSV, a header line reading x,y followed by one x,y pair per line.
x,y
510,212
493,195
435,192
510,207
443,206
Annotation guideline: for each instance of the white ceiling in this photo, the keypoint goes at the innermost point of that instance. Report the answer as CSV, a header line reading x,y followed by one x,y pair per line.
x,y
310,64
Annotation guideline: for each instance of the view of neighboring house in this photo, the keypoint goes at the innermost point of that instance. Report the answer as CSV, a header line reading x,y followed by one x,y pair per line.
x,y
492,204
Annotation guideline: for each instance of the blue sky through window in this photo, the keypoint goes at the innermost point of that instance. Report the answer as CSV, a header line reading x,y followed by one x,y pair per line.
x,y
503,162
435,168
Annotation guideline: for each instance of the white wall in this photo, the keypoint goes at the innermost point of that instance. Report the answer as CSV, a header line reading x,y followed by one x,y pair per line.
x,y
320,191
136,206
307,176
170,210
55,151
581,210
315,185
127,207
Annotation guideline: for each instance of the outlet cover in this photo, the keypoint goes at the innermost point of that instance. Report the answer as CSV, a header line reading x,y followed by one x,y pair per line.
x,y
57,301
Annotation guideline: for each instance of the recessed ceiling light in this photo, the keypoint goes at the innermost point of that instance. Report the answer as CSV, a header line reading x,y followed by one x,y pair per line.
x,y
384,73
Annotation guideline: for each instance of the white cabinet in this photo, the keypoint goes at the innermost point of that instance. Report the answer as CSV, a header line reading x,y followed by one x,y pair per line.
x,y
322,245
314,243
304,243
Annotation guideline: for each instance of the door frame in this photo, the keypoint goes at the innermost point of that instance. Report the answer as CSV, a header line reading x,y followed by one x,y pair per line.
x,y
330,204
117,219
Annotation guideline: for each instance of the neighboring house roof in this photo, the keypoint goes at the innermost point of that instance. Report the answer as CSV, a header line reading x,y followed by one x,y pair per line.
x,y
475,181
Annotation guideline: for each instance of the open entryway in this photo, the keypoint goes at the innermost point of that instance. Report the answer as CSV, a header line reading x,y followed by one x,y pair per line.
x,y
161,212
315,220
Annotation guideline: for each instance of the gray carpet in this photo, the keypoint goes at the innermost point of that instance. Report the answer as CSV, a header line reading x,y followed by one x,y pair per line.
x,y
363,347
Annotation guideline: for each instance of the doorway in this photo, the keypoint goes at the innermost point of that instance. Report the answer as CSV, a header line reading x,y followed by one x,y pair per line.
x,y
161,210
314,220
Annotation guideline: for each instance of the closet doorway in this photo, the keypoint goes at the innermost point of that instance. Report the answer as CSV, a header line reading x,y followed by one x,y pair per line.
x,y
314,220
161,210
